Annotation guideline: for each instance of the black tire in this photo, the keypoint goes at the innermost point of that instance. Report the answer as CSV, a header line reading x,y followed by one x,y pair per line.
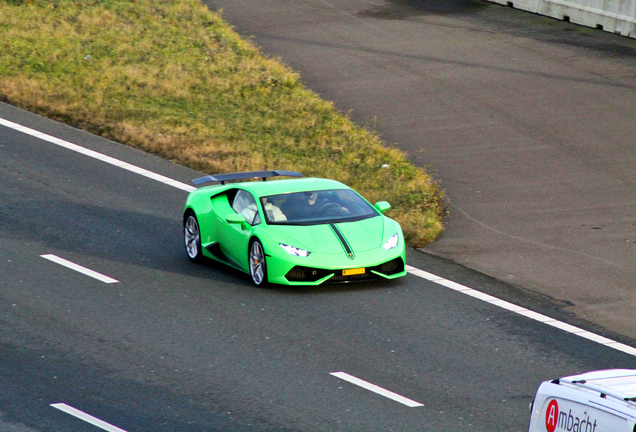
x,y
192,237
257,263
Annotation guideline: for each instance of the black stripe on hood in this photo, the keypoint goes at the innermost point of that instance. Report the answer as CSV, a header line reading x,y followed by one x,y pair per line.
x,y
343,240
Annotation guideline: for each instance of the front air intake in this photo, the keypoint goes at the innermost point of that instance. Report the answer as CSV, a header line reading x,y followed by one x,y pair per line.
x,y
309,274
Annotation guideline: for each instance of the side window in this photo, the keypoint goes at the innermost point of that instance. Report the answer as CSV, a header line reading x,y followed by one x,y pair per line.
x,y
245,204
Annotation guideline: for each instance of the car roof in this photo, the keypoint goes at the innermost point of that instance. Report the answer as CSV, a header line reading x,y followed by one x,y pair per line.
x,y
274,187
620,383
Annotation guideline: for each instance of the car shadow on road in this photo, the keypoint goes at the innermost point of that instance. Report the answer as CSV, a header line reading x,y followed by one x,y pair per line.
x,y
131,238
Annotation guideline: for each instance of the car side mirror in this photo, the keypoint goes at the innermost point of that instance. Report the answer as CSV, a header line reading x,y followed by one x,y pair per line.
x,y
235,218
382,206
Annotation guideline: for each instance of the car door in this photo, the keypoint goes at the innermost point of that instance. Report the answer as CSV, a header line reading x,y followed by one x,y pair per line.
x,y
236,236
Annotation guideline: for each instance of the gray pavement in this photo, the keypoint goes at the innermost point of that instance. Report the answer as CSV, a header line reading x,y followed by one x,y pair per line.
x,y
529,122
176,346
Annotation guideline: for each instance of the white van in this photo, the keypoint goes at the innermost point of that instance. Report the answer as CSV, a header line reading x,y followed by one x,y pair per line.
x,y
598,401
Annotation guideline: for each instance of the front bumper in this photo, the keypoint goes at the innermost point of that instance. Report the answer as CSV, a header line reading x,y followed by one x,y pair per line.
x,y
389,270
317,268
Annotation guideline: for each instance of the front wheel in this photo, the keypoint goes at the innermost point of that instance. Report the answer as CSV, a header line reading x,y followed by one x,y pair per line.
x,y
192,238
258,265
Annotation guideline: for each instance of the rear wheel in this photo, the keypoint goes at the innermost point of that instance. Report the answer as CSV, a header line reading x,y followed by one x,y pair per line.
x,y
192,237
258,265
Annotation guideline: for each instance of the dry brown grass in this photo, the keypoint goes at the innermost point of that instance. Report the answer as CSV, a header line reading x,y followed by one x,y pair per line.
x,y
172,78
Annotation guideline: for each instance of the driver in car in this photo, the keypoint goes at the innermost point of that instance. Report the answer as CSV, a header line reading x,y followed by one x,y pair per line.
x,y
309,205
321,205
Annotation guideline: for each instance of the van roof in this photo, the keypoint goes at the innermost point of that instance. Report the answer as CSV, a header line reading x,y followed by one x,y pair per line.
x,y
618,383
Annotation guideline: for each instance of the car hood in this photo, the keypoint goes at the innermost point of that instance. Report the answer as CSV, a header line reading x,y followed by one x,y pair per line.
x,y
361,235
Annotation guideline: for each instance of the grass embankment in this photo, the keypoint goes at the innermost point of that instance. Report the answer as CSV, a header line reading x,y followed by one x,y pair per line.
x,y
172,78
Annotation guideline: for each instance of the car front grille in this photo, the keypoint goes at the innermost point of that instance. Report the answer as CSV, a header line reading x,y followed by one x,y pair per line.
x,y
309,274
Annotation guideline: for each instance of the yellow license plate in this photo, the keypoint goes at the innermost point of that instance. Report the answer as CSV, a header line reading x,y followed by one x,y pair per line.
x,y
350,272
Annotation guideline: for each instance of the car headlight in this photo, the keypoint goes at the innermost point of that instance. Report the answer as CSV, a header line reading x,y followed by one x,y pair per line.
x,y
295,251
391,243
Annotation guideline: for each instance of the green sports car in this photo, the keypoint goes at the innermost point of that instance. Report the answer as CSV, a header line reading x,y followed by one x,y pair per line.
x,y
300,231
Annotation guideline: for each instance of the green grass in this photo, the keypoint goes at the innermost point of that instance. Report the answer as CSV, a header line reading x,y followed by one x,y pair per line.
x,y
172,78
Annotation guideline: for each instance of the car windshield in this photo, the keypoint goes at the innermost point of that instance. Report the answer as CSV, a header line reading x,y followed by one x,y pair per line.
x,y
316,207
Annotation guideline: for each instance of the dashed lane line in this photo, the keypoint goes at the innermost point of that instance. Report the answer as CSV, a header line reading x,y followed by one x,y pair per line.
x,y
80,269
375,389
87,417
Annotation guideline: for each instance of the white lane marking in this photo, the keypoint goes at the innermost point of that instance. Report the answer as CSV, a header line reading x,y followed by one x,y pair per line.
x,y
79,268
375,389
412,270
87,417
522,311
98,156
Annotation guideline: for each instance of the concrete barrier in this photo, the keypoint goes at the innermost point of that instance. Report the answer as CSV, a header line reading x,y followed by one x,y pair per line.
x,y
614,16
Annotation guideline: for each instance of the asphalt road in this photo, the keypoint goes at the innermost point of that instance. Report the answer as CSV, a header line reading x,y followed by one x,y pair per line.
x,y
505,106
527,121
177,346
